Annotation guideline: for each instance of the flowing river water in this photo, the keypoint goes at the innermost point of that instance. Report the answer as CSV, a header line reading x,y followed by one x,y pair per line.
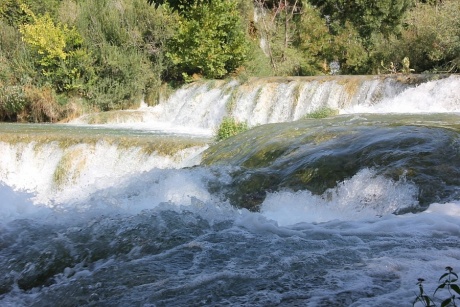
x,y
144,208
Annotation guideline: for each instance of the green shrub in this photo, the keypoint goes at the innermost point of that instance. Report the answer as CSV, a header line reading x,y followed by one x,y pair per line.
x,y
430,39
12,101
27,103
42,105
16,64
57,52
229,127
126,39
322,112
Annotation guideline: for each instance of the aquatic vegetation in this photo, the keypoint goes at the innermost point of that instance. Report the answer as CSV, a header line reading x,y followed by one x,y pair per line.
x,y
447,283
322,112
230,127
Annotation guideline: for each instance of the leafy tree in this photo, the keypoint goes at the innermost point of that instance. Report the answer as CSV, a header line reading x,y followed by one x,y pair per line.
x,y
314,40
57,50
368,17
431,39
348,48
278,29
46,38
127,40
210,40
11,12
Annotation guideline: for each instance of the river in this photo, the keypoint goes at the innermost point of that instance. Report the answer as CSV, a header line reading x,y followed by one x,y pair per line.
x,y
143,208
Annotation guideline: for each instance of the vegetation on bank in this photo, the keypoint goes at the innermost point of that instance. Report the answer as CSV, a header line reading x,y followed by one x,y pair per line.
x,y
62,58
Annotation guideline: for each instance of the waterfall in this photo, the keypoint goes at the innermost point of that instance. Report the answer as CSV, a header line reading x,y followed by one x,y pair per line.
x,y
143,208
64,166
201,106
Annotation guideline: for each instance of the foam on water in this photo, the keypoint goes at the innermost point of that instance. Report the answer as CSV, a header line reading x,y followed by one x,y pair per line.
x,y
438,96
382,254
16,204
362,196
58,175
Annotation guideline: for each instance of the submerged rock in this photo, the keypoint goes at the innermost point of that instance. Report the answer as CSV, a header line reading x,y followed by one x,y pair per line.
x,y
316,155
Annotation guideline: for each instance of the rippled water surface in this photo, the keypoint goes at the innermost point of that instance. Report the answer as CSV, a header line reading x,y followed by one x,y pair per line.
x,y
343,211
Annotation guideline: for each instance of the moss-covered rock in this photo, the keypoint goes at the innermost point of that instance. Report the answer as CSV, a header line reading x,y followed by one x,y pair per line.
x,y
316,155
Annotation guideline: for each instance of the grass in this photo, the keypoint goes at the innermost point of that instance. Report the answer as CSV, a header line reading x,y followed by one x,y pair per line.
x,y
322,112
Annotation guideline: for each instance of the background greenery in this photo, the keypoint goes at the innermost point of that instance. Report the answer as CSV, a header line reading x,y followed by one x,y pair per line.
x,y
61,58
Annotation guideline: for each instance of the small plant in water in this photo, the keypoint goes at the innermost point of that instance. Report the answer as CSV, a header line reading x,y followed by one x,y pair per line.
x,y
230,127
447,282
322,112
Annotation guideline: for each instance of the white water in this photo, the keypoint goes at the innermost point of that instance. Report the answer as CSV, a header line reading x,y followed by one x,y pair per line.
x,y
346,245
387,248
199,108
87,168
364,195
441,96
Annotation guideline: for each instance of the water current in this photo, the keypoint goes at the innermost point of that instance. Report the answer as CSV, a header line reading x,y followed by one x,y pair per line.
x,y
144,208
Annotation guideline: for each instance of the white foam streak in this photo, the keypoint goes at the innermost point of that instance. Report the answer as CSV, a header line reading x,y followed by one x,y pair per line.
x,y
58,175
438,96
18,205
364,195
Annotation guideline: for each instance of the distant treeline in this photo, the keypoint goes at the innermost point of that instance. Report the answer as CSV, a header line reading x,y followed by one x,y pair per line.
x,y
61,58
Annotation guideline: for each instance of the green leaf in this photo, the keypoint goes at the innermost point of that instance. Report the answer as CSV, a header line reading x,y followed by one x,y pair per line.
x,y
427,300
443,275
441,286
446,302
455,287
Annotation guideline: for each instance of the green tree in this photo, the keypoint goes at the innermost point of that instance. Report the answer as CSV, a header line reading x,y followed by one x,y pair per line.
x,y
210,40
127,39
432,36
368,17
314,40
57,50
278,25
430,39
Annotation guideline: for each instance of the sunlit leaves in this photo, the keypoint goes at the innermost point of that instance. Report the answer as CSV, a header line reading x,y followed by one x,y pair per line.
x,y
210,40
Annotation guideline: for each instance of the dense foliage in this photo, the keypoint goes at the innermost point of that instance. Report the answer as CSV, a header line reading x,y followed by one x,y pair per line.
x,y
230,127
59,58
209,41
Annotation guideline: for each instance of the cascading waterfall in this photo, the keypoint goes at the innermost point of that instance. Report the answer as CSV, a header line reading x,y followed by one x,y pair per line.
x,y
143,208
201,106
61,166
